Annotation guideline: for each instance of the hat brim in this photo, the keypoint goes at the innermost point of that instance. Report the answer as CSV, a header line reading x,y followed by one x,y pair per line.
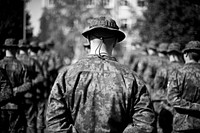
x,y
171,51
190,49
119,34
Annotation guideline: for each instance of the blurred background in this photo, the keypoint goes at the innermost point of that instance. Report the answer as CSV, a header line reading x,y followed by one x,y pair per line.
x,y
63,21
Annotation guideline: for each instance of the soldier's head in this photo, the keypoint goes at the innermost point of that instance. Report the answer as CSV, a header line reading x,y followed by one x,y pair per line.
x,y
152,47
10,46
23,45
174,51
103,30
162,49
192,51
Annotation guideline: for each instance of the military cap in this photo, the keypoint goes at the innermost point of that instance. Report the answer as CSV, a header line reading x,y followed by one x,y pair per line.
x,y
192,46
162,47
104,23
152,45
23,44
174,47
9,43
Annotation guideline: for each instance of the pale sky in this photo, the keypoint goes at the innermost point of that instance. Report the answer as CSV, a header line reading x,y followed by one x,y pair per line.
x,y
35,10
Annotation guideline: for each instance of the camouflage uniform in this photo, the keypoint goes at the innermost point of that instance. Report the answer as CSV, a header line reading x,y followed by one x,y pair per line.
x,y
12,114
184,96
40,90
35,75
96,95
6,92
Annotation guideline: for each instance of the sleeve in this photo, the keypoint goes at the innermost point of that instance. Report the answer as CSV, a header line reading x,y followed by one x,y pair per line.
x,y
6,91
143,115
175,88
58,115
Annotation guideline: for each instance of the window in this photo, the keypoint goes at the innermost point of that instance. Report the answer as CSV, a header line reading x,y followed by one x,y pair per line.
x,y
91,3
124,3
106,2
141,3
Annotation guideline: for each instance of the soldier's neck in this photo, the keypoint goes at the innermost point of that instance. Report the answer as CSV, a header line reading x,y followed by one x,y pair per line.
x,y
9,54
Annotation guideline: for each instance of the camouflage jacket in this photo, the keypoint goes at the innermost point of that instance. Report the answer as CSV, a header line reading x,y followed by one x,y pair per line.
x,y
34,73
17,74
161,79
184,96
6,92
99,95
154,63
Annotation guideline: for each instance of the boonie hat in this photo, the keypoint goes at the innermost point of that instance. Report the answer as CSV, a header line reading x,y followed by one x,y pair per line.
x,y
9,43
174,47
104,23
162,47
192,46
23,44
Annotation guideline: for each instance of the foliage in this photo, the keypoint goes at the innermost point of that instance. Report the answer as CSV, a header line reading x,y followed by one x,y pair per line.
x,y
11,20
171,21
64,23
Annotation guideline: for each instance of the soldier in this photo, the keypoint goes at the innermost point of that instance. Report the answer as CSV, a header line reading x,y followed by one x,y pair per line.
x,y
160,88
183,91
97,94
36,77
40,90
150,64
13,120
6,91
55,62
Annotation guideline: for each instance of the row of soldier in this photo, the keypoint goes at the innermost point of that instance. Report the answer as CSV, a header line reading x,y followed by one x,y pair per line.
x,y
171,72
28,71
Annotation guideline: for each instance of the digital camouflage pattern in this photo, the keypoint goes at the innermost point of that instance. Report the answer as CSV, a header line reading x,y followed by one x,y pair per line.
x,y
6,92
99,95
12,114
159,97
17,74
161,80
184,96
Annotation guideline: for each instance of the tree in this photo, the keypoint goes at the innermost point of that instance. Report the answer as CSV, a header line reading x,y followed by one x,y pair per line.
x,y
11,20
65,21
171,21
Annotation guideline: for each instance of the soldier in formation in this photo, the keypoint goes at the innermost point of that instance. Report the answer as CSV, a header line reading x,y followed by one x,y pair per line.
x,y
97,94
24,87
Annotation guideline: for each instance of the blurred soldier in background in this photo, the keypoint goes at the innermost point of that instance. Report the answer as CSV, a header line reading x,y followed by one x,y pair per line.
x,y
43,61
139,63
150,64
159,93
40,90
97,94
12,114
184,91
54,62
35,75
6,90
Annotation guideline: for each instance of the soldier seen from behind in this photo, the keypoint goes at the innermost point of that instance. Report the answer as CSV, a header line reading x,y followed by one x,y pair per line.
x,y
35,75
159,92
12,114
184,91
98,94
40,90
